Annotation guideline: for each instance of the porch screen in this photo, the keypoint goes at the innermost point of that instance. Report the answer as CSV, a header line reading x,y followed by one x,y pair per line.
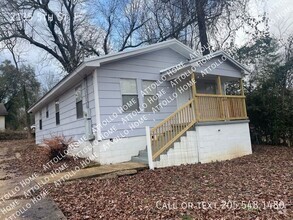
x,y
150,91
129,94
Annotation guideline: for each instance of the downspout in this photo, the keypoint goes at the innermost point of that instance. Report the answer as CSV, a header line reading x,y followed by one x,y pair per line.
x,y
88,119
97,106
98,115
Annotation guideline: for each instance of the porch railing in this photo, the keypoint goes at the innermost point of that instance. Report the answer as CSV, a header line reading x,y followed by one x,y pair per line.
x,y
203,107
220,107
164,134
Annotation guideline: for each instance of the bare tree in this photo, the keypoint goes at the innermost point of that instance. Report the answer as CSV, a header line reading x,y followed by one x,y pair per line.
x,y
59,27
121,21
10,45
50,79
194,22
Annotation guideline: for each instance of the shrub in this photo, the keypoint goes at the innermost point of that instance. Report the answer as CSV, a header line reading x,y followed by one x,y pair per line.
x,y
57,146
12,135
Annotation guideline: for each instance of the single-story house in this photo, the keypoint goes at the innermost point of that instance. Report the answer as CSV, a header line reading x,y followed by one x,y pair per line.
x,y
3,113
162,104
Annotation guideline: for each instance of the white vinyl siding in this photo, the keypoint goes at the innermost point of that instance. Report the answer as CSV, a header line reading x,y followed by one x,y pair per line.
x,y
69,126
141,67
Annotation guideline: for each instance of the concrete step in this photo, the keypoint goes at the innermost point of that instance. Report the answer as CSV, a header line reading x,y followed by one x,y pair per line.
x,y
143,153
138,159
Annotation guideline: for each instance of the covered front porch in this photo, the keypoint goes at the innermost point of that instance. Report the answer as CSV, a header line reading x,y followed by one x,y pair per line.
x,y
217,96
214,98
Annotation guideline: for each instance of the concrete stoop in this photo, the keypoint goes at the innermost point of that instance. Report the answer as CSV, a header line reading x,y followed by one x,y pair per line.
x,y
141,158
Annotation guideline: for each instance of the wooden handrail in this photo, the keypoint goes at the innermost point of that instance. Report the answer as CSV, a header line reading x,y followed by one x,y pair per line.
x,y
170,116
170,129
210,107
216,95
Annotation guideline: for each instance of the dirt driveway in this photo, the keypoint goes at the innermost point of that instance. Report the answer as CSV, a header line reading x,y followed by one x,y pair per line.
x,y
20,198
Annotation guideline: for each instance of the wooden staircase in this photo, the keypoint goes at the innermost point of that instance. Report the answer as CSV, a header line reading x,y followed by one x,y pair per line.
x,y
201,108
172,128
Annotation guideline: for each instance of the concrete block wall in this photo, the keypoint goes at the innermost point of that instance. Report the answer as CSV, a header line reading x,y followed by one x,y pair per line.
x,y
224,141
207,143
111,152
183,152
122,150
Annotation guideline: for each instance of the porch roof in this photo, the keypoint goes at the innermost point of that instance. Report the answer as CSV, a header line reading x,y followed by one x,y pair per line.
x,y
208,62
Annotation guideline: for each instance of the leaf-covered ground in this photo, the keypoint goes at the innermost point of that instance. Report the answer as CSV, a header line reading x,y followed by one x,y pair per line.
x,y
258,186
32,158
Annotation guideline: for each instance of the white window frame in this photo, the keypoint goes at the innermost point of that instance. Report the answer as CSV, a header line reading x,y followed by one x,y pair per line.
x,y
78,101
129,94
155,102
57,121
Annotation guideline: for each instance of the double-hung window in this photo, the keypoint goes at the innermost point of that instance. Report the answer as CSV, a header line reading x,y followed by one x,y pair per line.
x,y
57,113
129,94
78,102
149,90
47,111
40,121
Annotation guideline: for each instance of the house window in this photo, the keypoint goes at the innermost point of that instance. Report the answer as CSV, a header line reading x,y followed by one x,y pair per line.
x,y
129,94
57,112
210,88
47,111
78,101
149,98
40,121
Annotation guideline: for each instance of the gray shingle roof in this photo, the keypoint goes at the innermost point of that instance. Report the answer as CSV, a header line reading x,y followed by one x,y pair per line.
x,y
3,110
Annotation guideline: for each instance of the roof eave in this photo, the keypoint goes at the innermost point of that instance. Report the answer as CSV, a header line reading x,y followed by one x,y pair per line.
x,y
94,63
221,52
64,81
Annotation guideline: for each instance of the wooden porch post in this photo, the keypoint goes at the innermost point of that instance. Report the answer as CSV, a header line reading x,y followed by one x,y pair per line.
x,y
194,96
220,92
242,94
219,85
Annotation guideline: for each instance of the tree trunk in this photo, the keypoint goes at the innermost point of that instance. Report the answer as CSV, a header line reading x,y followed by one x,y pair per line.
x,y
28,118
200,13
26,102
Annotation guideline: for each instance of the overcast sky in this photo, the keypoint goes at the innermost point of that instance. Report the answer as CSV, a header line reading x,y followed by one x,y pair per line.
x,y
281,25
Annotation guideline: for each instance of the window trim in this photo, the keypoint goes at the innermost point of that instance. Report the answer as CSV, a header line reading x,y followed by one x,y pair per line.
x,y
143,97
78,115
129,94
47,111
57,114
40,121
